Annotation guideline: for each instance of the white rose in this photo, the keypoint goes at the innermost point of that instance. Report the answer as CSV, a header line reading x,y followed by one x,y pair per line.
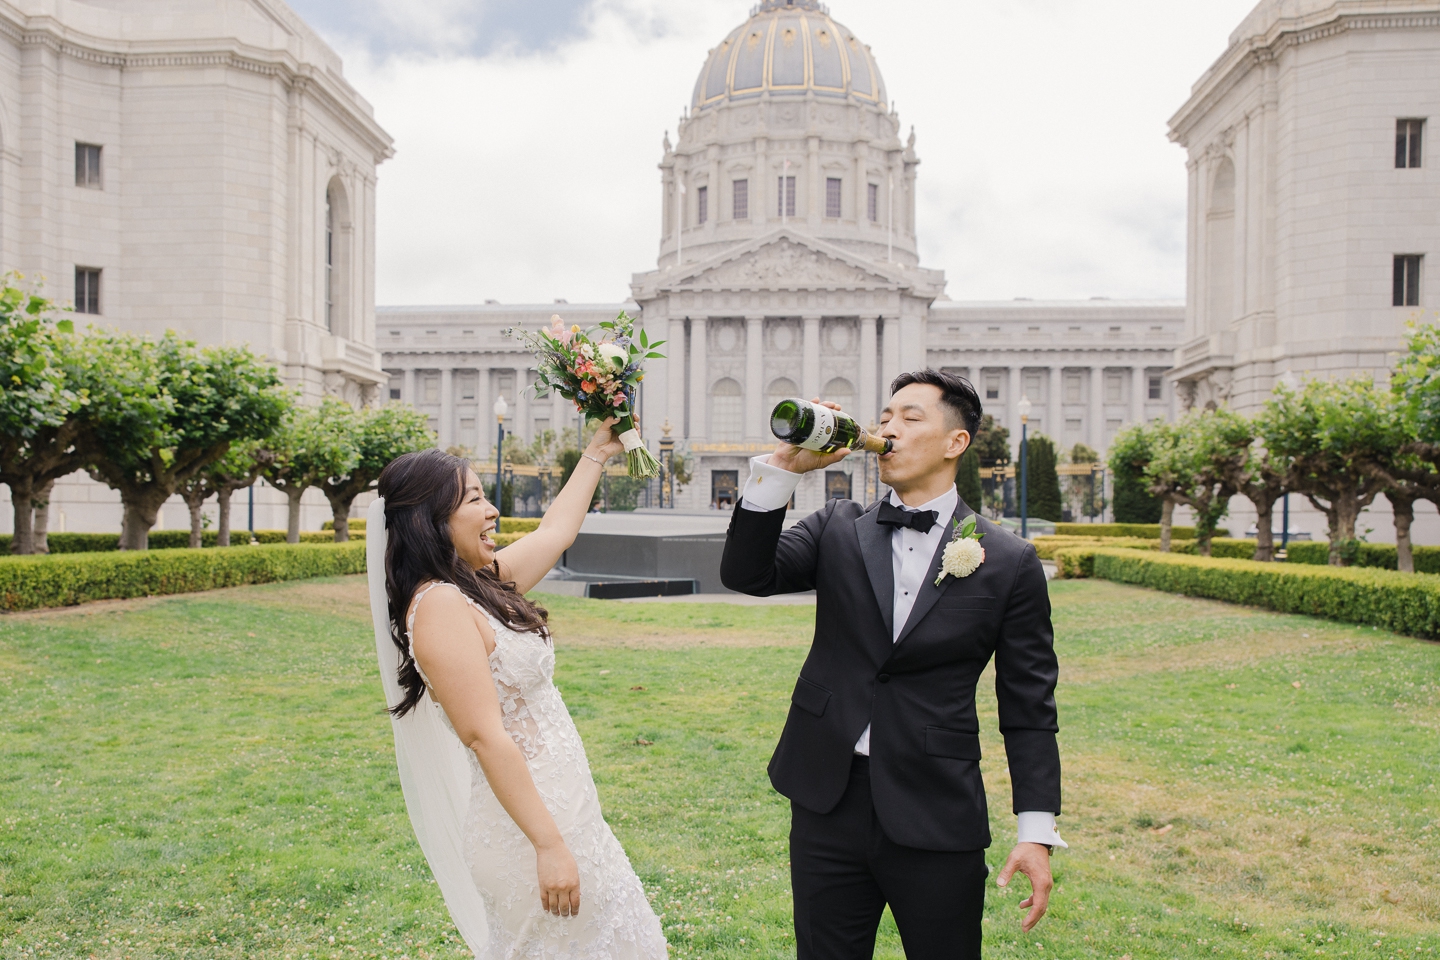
x,y
962,557
617,356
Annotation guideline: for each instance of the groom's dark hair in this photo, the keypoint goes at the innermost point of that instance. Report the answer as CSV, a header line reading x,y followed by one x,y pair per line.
x,y
958,398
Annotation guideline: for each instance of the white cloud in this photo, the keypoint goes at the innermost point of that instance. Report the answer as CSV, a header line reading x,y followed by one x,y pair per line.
x,y
1046,171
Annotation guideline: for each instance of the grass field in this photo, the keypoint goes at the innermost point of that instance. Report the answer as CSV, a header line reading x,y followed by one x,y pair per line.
x,y
210,776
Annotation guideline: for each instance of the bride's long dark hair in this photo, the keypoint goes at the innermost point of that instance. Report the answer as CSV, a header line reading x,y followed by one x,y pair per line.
x,y
422,491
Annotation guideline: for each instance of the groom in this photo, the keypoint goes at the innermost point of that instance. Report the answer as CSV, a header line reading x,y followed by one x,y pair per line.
x,y
880,753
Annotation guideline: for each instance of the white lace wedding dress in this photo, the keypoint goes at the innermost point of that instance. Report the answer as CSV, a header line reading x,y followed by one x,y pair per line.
x,y
615,919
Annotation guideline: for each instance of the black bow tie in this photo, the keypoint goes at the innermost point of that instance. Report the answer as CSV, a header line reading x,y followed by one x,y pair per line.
x,y
893,516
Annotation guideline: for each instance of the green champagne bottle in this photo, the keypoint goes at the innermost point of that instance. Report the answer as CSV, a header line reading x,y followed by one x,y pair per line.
x,y
813,427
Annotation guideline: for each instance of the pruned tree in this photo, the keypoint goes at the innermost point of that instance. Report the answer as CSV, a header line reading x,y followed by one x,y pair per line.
x,y
1131,453
177,410
1413,472
1190,465
379,435
967,480
311,445
991,442
238,469
1333,432
43,400
1254,471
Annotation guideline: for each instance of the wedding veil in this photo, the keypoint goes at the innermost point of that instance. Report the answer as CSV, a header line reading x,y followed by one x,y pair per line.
x,y
434,768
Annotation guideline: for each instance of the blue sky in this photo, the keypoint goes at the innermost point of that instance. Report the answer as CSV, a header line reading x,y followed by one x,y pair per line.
x,y
527,135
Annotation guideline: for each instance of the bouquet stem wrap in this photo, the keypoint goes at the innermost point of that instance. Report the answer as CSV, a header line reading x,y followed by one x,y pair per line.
x,y
640,462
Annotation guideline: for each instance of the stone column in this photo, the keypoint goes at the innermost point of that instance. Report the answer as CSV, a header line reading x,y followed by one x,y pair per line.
x,y
522,426
1012,401
699,380
810,359
868,410
407,390
1096,428
890,355
1055,419
815,195
755,412
759,180
447,407
1139,388
485,395
675,376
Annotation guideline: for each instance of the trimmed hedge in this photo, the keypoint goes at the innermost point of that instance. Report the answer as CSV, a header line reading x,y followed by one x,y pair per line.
x,y
1046,547
171,539
1400,602
1150,531
519,524
1380,556
27,583
356,523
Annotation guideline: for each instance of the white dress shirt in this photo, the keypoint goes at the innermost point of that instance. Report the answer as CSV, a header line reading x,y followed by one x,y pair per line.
x,y
770,488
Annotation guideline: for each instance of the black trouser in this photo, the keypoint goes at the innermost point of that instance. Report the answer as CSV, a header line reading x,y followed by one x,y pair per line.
x,y
844,870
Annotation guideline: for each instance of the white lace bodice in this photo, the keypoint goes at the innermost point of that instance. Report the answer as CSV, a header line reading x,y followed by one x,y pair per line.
x,y
615,918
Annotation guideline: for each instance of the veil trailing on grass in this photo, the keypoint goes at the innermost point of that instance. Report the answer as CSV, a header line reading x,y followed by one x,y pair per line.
x,y
434,768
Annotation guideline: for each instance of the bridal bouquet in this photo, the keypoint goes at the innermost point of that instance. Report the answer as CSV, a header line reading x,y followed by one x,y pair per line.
x,y
598,371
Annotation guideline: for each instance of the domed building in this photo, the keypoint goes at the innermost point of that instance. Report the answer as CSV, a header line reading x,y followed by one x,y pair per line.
x,y
788,265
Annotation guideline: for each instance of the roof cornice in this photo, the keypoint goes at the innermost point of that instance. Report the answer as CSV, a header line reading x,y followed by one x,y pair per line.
x,y
1244,55
341,99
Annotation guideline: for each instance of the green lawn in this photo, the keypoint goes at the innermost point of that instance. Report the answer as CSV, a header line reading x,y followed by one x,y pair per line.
x,y
210,776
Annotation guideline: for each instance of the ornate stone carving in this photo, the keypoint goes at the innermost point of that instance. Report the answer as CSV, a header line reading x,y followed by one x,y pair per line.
x,y
786,264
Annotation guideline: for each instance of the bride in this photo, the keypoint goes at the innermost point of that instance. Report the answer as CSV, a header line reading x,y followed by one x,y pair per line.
x,y
494,773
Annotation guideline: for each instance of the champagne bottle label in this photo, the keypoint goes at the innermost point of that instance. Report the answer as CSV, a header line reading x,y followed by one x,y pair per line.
x,y
824,430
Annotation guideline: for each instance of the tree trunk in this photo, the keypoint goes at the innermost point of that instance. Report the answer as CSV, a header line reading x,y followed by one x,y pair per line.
x,y
40,526
1167,517
1404,508
197,520
340,510
222,531
292,530
1264,535
1204,528
135,527
23,542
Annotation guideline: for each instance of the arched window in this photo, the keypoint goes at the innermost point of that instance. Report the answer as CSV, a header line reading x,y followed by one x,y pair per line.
x,y
337,259
779,389
727,411
841,391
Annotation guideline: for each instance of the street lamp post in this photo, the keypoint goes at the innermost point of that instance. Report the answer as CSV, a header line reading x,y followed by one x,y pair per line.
x,y
501,408
1024,407
667,467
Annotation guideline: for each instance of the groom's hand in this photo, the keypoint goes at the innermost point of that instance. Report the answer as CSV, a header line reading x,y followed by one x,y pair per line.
x,y
1033,860
799,460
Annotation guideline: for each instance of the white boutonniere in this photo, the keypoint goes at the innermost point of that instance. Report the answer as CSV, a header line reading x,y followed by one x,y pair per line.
x,y
963,554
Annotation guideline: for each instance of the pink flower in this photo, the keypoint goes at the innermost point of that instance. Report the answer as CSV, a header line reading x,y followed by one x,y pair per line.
x,y
557,330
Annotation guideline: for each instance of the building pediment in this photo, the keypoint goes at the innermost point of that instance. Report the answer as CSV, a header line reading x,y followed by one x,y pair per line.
x,y
783,261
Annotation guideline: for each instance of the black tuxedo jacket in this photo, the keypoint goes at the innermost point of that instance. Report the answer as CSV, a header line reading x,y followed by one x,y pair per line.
x,y
917,694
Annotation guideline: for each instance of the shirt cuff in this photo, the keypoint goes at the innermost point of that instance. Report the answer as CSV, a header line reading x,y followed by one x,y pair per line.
x,y
769,488
1039,827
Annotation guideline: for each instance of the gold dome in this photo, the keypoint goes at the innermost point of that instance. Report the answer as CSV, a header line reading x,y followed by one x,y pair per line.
x,y
789,48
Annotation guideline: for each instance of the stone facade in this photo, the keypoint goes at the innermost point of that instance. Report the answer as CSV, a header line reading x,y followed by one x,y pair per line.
x,y
1297,206
209,166
788,266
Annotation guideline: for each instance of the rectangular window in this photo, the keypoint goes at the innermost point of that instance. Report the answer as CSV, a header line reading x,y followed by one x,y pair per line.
x,y
702,204
1072,388
724,487
467,388
1156,388
740,192
432,388
87,290
1407,280
787,196
1407,143
1032,386
832,197
1113,388
87,165
837,485
992,388
872,202
394,393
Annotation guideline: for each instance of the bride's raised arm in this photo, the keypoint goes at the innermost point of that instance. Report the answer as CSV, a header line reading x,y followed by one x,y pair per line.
x,y
527,560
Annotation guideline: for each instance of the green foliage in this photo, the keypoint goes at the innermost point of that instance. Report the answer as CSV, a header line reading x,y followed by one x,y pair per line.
x,y
1147,530
1042,487
622,493
376,435
1130,453
519,524
1332,433
507,506
991,442
967,480
1194,462
1381,556
57,581
1416,381
1400,602
311,445
357,525
1047,547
